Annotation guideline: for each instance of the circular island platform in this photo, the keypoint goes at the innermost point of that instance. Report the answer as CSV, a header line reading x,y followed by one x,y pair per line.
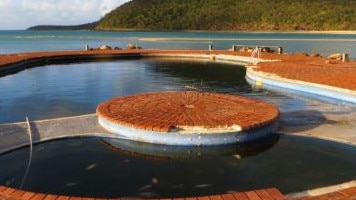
x,y
188,118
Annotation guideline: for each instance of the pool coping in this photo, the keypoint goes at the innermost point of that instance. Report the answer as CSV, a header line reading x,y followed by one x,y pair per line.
x,y
20,62
275,82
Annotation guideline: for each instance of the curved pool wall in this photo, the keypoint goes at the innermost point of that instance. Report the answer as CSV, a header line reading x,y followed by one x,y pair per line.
x,y
203,139
274,82
61,58
22,62
240,150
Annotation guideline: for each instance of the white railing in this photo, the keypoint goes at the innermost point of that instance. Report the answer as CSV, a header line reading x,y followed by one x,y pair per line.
x,y
255,52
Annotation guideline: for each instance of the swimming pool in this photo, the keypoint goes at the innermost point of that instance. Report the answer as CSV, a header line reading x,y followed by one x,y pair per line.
x,y
104,167
75,89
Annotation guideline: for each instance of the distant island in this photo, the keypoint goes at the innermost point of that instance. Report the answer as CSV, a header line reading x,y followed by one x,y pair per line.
x,y
226,15
88,26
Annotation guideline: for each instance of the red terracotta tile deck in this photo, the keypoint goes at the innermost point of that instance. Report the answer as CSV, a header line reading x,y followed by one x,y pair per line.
x,y
262,194
268,194
313,69
6,59
164,111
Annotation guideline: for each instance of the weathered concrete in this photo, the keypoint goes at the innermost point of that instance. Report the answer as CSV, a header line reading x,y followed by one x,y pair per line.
x,y
17,134
320,120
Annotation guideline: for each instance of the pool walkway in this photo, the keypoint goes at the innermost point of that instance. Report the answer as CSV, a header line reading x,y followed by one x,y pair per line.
x,y
262,194
298,68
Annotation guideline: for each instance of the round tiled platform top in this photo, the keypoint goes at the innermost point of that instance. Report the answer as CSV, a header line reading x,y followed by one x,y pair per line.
x,y
188,112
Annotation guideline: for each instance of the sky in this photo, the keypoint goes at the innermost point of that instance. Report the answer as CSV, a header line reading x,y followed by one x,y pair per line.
x,y
22,14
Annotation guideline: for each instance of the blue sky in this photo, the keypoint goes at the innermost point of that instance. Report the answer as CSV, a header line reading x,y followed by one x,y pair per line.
x,y
21,14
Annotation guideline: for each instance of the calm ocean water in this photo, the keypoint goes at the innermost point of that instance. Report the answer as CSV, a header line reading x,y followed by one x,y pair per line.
x,y
24,41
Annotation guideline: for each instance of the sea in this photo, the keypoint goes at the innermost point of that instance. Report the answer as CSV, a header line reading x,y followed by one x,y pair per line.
x,y
324,43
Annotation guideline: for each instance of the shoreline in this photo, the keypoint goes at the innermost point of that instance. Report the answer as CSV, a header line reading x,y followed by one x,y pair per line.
x,y
338,32
341,32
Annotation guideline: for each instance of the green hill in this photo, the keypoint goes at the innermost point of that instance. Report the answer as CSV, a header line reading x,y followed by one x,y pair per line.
x,y
232,15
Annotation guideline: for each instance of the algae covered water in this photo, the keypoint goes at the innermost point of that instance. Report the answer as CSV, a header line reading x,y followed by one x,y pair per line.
x,y
102,167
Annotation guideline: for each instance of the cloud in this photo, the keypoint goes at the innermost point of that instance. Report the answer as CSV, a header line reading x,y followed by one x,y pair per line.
x,y
20,14
108,5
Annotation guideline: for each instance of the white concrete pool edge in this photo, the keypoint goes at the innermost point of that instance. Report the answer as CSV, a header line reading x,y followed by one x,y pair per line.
x,y
272,81
192,139
214,56
323,190
16,135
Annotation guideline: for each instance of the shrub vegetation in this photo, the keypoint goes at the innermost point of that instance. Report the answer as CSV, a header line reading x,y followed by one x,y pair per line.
x,y
232,15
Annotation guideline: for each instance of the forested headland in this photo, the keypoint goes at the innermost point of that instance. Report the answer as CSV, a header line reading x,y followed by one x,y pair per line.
x,y
226,15
232,15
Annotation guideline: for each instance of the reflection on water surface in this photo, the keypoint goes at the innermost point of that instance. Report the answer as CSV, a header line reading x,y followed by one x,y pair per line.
x,y
94,167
